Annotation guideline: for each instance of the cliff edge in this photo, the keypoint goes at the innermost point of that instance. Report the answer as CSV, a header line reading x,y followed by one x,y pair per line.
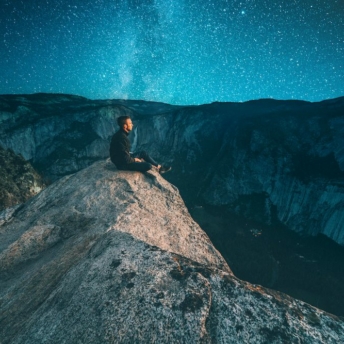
x,y
107,256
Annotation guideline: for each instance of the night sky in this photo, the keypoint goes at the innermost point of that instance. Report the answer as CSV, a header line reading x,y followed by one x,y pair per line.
x,y
174,51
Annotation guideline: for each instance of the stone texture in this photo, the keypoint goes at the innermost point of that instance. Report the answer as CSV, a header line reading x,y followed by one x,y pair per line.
x,y
104,256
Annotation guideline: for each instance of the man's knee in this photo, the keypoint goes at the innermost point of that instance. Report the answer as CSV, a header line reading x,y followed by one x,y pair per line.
x,y
147,166
143,155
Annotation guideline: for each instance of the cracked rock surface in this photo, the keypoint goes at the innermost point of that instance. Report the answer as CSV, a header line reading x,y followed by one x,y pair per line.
x,y
107,256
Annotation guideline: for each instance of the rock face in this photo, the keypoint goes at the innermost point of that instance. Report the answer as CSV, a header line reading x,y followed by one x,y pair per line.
x,y
268,160
104,256
18,179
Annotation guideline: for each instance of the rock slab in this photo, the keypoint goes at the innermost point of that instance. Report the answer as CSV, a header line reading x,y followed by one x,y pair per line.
x,y
104,256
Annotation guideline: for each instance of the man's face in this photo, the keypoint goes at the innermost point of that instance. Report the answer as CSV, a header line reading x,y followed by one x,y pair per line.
x,y
128,125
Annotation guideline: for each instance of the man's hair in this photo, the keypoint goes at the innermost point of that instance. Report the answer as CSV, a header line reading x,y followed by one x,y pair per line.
x,y
121,120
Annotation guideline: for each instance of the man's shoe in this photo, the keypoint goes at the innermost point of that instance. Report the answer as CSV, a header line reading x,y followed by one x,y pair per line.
x,y
164,169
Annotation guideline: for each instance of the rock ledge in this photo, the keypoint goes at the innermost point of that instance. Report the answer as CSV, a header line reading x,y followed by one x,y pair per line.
x,y
104,256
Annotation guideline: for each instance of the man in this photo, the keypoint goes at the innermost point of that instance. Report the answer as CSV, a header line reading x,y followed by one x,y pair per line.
x,y
120,151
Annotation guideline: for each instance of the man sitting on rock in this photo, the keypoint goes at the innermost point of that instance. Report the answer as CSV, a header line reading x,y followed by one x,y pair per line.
x,y
120,151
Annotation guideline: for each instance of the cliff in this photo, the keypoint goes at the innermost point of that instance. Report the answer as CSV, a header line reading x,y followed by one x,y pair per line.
x,y
103,256
272,161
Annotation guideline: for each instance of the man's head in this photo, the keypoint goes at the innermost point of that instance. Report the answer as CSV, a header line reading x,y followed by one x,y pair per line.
x,y
125,123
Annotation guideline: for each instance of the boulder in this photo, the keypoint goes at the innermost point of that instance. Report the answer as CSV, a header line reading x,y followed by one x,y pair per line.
x,y
18,179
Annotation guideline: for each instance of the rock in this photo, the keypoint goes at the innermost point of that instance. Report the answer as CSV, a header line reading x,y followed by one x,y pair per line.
x,y
18,179
107,256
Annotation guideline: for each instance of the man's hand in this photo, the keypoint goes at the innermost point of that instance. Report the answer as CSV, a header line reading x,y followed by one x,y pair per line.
x,y
138,160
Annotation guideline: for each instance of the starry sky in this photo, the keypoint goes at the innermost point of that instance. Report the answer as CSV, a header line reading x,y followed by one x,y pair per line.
x,y
174,51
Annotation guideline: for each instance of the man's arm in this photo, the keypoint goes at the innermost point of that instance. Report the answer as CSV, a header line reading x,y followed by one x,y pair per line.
x,y
124,152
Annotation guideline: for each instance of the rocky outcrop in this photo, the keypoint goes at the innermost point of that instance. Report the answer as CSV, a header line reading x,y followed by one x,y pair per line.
x,y
18,179
287,154
104,256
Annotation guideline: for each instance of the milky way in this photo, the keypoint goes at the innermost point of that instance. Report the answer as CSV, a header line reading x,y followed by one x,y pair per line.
x,y
177,51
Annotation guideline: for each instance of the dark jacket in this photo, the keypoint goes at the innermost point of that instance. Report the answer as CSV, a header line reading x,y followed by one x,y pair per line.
x,y
120,149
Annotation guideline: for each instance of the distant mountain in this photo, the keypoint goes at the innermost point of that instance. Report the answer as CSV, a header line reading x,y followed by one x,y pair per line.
x,y
107,256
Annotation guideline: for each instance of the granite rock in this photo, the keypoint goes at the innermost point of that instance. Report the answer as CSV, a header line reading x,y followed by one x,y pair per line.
x,y
107,256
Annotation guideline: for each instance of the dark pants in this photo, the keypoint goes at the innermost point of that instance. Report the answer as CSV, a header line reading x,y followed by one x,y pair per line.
x,y
139,166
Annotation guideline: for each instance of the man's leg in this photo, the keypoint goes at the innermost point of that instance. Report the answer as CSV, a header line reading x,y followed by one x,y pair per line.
x,y
143,155
137,166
